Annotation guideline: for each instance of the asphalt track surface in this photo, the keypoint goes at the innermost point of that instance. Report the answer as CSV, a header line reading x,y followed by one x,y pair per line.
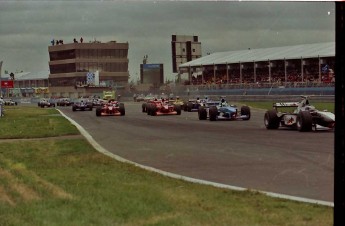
x,y
237,153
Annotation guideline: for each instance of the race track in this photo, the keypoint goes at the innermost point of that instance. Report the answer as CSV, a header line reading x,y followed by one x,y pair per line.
x,y
237,153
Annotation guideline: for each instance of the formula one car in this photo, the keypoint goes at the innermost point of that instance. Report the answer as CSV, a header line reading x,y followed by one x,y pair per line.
x,y
64,102
97,102
192,105
82,105
46,103
160,107
177,101
148,99
10,102
223,111
304,118
112,108
207,103
140,97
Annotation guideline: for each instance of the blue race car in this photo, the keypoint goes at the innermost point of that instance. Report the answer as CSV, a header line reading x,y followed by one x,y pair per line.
x,y
223,111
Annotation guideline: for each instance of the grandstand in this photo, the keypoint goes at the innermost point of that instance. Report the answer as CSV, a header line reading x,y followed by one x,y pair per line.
x,y
288,66
28,84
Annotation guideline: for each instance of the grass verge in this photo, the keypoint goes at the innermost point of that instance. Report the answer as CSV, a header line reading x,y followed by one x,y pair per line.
x,y
66,182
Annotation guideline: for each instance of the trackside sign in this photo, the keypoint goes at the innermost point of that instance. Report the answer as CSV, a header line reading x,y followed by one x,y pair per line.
x,y
7,84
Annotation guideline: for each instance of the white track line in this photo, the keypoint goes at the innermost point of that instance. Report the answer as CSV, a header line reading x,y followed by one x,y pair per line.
x,y
102,150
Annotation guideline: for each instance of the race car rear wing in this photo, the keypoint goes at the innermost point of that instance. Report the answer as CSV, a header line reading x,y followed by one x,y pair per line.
x,y
286,104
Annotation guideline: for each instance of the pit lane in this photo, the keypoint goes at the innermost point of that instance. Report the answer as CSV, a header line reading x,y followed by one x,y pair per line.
x,y
237,153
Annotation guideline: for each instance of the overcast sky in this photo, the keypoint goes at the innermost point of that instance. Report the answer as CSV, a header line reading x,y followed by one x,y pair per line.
x,y
27,27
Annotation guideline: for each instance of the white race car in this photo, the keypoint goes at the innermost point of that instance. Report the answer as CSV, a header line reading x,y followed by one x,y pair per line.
x,y
304,118
10,102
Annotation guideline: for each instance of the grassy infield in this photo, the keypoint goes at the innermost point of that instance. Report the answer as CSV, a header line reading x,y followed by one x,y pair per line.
x,y
62,180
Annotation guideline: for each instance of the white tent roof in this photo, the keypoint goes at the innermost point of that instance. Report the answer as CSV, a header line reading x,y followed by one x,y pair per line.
x,y
29,75
276,53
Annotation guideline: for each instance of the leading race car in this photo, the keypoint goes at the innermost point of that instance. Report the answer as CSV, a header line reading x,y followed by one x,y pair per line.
x,y
162,107
82,105
111,108
223,111
304,118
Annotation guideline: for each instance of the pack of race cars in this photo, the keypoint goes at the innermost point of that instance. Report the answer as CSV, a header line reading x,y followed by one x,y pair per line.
x,y
304,117
301,116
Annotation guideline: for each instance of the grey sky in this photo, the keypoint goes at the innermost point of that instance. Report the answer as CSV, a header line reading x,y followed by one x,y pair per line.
x,y
27,27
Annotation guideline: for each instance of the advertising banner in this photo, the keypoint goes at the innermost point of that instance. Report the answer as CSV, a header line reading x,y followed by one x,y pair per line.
x,y
7,84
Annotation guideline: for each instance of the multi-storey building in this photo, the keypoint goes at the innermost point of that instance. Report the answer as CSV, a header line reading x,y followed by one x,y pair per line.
x,y
71,63
184,49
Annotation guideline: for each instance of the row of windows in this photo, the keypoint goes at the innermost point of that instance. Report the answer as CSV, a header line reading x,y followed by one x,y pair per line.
x,y
86,67
89,54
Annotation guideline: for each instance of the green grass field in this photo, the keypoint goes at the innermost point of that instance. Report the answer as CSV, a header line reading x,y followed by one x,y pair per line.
x,y
62,180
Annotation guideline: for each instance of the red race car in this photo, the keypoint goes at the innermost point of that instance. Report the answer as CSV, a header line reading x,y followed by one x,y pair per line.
x,y
112,108
161,107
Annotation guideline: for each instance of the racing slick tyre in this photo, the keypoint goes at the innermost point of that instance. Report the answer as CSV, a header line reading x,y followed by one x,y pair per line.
x,y
271,119
91,107
245,110
74,108
202,113
177,108
143,107
304,121
189,107
122,109
98,111
213,111
153,110
148,109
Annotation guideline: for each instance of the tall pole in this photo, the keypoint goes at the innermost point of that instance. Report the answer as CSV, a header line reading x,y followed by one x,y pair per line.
x,y
240,72
302,69
214,73
254,70
202,75
319,79
227,73
339,153
285,74
269,71
0,78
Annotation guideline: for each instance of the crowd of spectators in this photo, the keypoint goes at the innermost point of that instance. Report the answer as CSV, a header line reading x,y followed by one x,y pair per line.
x,y
310,75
